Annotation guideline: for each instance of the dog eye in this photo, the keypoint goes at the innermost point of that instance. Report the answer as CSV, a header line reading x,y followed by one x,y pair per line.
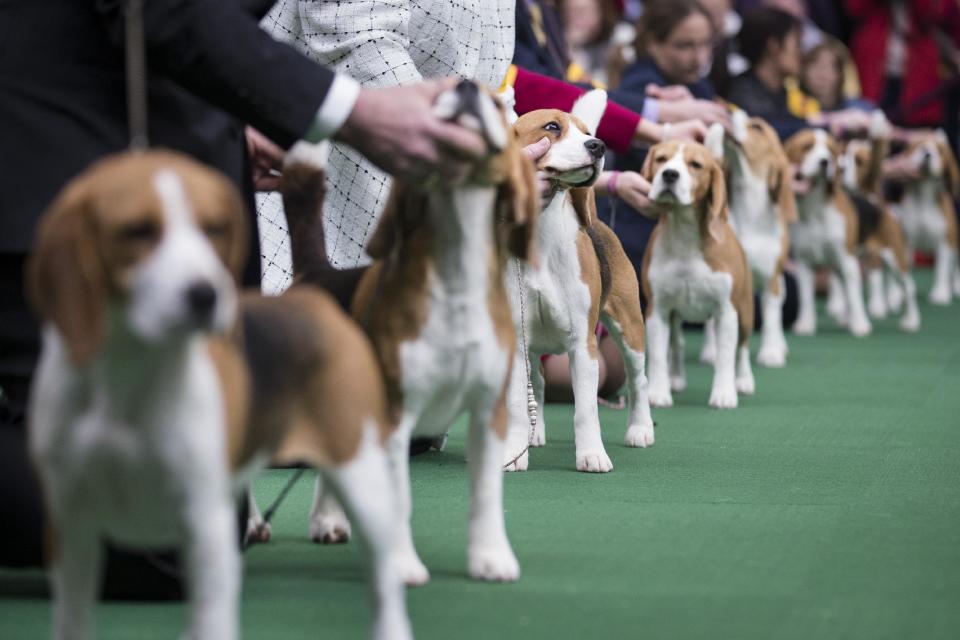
x,y
660,159
756,126
696,165
553,127
140,231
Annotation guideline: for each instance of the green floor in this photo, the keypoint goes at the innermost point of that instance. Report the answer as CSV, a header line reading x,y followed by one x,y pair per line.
x,y
826,506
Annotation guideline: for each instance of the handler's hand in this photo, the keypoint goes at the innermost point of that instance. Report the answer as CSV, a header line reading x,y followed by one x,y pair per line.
x,y
266,160
396,130
691,130
634,189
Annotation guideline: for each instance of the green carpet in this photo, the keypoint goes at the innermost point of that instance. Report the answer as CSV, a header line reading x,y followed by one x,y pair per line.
x,y
826,506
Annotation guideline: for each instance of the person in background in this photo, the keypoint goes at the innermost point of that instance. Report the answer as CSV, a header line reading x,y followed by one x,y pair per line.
x,y
827,74
589,27
727,62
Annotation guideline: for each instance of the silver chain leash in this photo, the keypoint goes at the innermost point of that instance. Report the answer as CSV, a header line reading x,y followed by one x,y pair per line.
x,y
531,398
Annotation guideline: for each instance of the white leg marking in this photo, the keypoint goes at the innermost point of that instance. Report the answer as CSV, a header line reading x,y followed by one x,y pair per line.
x,y
585,373
859,323
943,266
639,421
412,570
658,343
878,302
744,382
708,353
723,395
328,522
515,455
836,303
258,530
75,577
213,562
538,435
678,377
806,323
773,344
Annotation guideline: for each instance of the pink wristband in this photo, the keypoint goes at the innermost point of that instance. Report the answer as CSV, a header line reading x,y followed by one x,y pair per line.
x,y
612,183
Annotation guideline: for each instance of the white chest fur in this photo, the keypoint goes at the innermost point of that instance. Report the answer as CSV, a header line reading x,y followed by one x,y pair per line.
x,y
457,355
819,237
129,438
756,221
680,278
557,300
922,218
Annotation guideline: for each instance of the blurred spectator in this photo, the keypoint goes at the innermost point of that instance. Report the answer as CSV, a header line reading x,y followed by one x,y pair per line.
x,y
829,76
727,62
810,33
588,27
894,36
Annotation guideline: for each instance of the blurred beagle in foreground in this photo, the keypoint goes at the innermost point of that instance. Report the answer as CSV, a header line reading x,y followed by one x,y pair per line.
x,y
762,206
928,213
159,389
826,233
880,238
435,307
695,269
583,276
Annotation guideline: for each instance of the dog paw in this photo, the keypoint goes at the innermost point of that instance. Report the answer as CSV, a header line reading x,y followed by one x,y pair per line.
x,y
411,570
708,354
805,327
910,322
772,357
723,397
877,310
746,385
940,296
516,461
493,564
860,327
258,532
678,383
895,298
661,397
594,462
330,529
538,436
639,435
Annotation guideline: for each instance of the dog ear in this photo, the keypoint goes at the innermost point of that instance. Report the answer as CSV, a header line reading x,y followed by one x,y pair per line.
x,y
647,169
717,211
778,181
405,209
66,281
518,205
950,170
589,109
585,204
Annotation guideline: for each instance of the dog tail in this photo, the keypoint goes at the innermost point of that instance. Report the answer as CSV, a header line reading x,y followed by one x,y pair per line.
x,y
303,189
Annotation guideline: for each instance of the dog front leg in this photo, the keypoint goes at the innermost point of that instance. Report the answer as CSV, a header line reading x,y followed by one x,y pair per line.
x,y
368,491
943,266
213,570
516,456
328,522
708,353
489,556
876,293
859,324
412,570
836,304
678,376
910,320
806,322
658,344
75,577
723,395
538,435
585,374
773,344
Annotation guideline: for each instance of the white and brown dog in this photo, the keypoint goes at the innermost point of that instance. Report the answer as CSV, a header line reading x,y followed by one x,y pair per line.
x,y
582,277
826,233
880,238
159,389
762,207
927,213
695,269
435,306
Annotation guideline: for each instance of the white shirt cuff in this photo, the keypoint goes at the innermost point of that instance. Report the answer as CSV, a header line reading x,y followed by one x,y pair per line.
x,y
335,108
651,110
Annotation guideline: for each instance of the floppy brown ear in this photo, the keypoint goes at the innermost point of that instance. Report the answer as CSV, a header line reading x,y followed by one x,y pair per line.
x,y
950,169
647,170
585,204
518,205
65,277
717,212
778,181
405,208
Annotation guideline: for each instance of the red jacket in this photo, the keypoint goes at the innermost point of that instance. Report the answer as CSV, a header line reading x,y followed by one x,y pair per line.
x,y
922,65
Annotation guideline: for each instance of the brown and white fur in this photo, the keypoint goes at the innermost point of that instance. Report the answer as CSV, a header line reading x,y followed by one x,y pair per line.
x,y
884,247
435,306
582,277
762,207
695,269
160,389
826,231
927,213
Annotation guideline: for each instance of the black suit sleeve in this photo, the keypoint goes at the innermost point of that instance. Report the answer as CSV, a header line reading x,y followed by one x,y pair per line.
x,y
216,50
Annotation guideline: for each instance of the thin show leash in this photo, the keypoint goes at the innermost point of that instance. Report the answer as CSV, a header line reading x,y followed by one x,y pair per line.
x,y
531,398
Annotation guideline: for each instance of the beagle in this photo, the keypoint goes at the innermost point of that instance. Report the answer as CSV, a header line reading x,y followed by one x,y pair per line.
x,y
927,212
160,389
826,233
695,269
435,307
880,237
762,206
582,277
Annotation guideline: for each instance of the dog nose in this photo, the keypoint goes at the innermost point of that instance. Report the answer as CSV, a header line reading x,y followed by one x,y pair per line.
x,y
824,165
595,147
670,175
201,296
466,89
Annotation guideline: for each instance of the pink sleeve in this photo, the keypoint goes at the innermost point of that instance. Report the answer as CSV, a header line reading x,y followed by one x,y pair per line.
x,y
534,91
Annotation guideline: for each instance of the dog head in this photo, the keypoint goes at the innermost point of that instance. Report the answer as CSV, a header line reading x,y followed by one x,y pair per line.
x,y
855,165
761,149
575,158
932,157
504,166
815,154
154,241
684,175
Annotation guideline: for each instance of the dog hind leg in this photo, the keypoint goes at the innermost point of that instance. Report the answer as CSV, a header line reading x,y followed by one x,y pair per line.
x,y
328,522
